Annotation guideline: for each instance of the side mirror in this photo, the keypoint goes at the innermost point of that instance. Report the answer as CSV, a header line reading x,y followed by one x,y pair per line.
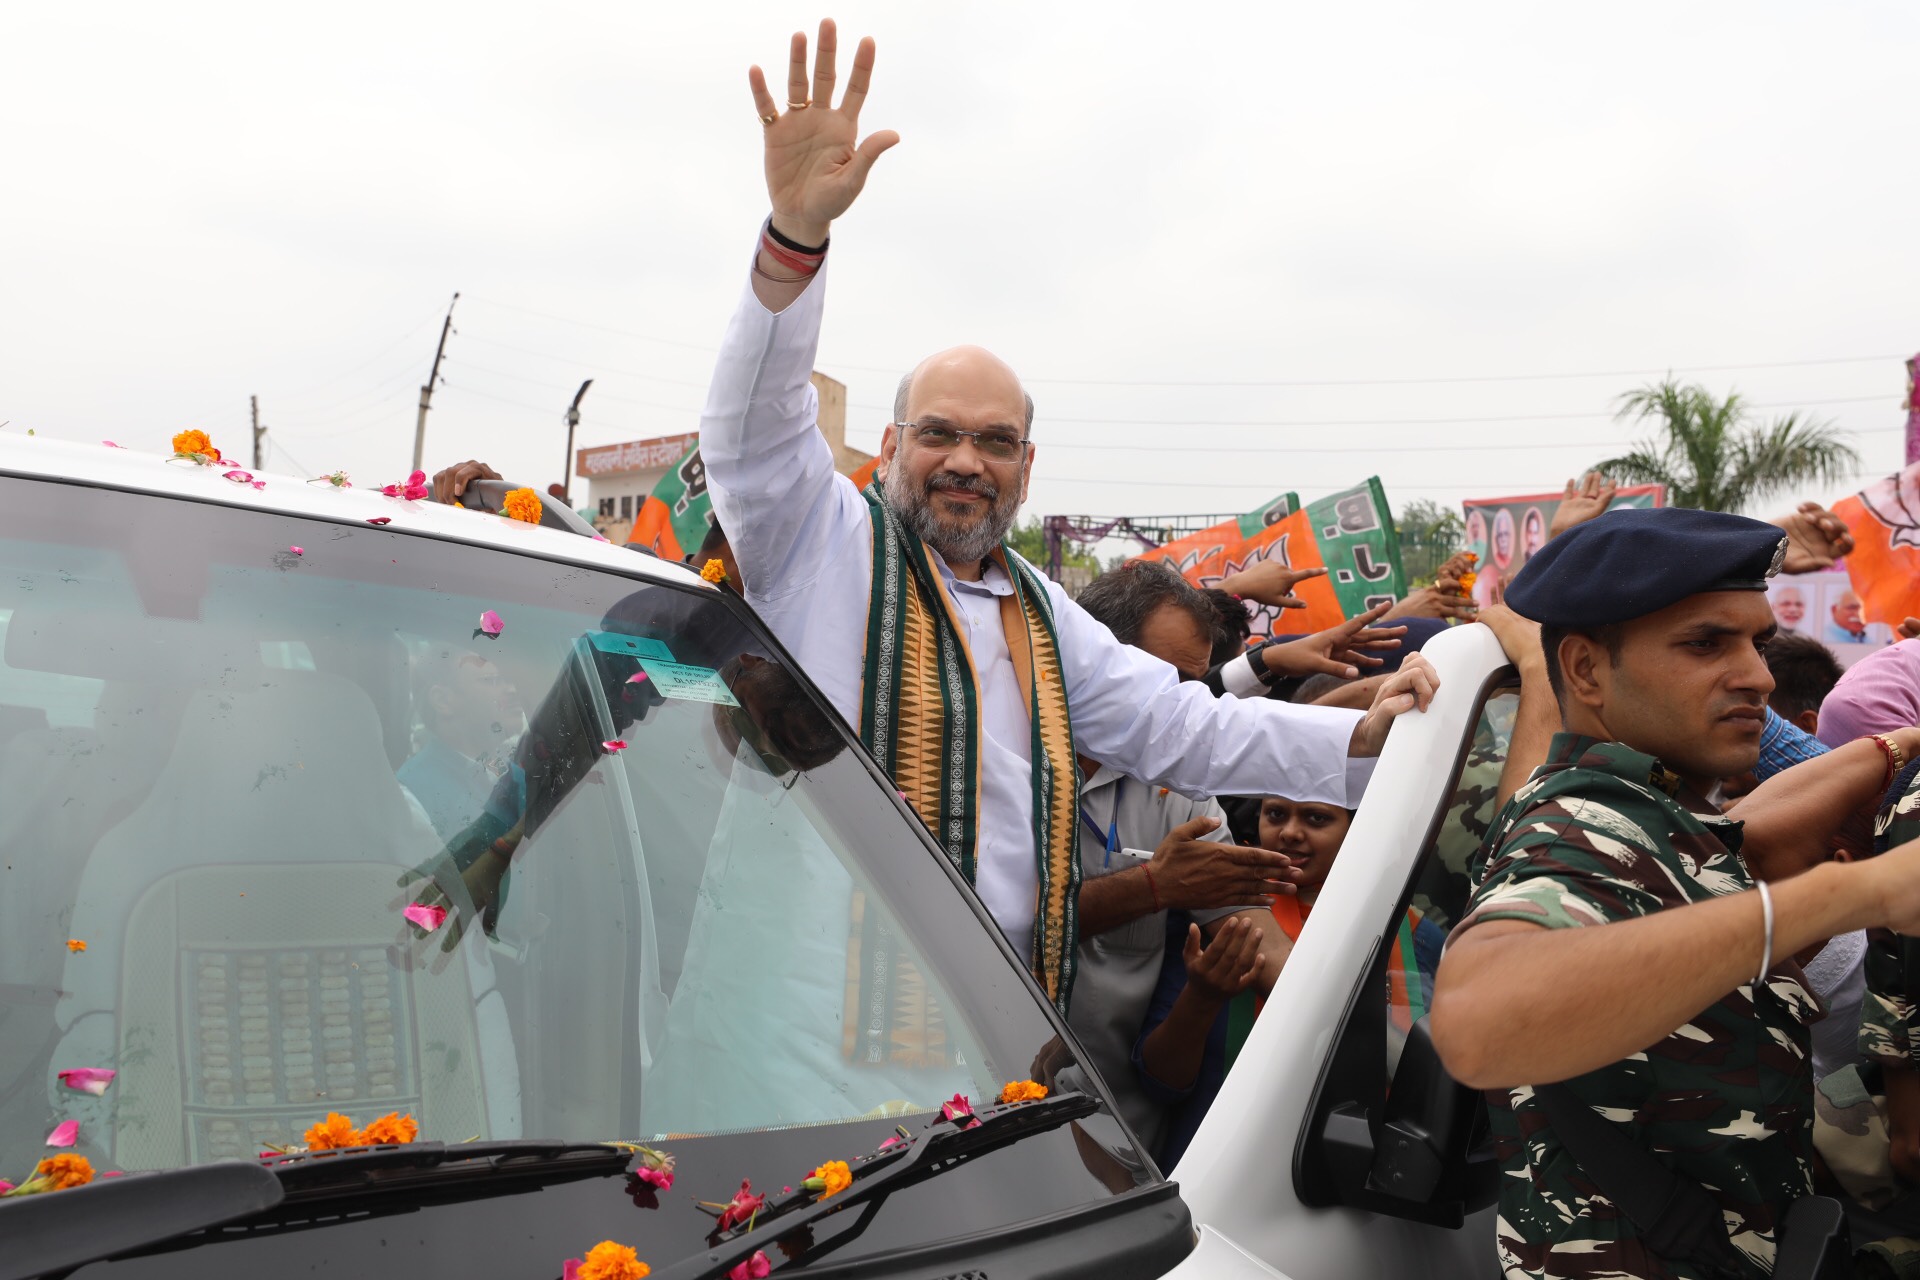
x,y
1424,1151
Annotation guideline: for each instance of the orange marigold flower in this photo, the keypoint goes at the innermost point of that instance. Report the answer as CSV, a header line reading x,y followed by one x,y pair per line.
x,y
610,1261
523,505
392,1127
1467,580
331,1134
834,1177
714,571
1023,1091
74,944
64,1171
195,442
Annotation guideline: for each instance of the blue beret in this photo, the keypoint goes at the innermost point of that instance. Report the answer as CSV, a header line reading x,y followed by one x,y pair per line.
x,y
1634,561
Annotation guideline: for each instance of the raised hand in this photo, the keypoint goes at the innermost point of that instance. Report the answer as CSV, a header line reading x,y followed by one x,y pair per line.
x,y
1270,583
1223,968
1815,538
1338,651
816,164
1582,501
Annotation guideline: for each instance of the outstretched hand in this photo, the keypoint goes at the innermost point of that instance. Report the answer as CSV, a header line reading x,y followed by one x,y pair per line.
x,y
1270,582
816,163
1338,651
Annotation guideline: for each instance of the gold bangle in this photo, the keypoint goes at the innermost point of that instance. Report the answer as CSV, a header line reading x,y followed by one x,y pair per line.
x,y
1898,756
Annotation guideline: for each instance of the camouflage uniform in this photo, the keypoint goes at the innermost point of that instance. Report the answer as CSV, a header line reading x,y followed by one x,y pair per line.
x,y
1600,834
1887,1013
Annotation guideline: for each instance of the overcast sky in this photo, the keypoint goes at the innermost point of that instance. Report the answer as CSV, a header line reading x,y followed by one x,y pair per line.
x,y
1234,250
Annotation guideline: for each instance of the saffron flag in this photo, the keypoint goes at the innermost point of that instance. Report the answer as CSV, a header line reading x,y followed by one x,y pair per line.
x,y
1349,533
674,518
1884,566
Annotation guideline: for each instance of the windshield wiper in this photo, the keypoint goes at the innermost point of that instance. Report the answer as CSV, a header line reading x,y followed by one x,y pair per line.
x,y
941,1147
59,1230
313,1176
56,1231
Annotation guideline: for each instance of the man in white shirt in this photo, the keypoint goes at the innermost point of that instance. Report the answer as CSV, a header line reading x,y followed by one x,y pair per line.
x,y
956,660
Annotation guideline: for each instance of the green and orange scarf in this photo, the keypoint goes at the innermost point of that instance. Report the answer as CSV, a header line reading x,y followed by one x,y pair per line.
x,y
920,717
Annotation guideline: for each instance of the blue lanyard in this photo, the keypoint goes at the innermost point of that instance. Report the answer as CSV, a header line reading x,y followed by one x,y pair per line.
x,y
1111,836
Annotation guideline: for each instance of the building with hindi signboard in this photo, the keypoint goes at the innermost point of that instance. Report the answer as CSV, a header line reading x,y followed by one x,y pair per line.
x,y
620,477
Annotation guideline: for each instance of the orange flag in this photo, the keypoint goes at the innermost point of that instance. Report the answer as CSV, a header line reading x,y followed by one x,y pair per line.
x,y
1884,519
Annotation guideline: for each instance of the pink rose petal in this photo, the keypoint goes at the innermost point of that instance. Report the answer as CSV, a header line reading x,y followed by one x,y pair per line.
x,y
259,484
755,1268
490,623
570,1269
93,1080
614,746
428,918
380,520
64,1134
636,677
113,1173
599,537
661,1178
111,445
238,476
6,1186
299,551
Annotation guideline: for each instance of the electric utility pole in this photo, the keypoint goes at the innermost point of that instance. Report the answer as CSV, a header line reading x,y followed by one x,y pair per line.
x,y
426,392
573,420
258,430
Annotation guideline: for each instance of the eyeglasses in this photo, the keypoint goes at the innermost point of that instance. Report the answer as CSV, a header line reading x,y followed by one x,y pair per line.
x,y
995,446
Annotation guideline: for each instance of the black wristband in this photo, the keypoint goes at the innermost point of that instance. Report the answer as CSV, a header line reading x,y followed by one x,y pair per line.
x,y
1264,673
786,242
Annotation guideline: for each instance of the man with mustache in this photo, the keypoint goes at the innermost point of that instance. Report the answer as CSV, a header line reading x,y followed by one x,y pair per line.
x,y
973,680
1623,984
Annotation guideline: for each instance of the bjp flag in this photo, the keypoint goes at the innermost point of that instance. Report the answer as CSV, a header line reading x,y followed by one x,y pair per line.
x,y
1884,565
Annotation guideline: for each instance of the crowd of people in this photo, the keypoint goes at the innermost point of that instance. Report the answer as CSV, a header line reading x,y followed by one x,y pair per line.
x,y
1676,957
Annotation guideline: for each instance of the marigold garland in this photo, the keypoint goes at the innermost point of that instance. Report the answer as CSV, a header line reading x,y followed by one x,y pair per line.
x,y
336,1132
195,444
390,1128
55,1173
610,1261
830,1179
1022,1091
523,505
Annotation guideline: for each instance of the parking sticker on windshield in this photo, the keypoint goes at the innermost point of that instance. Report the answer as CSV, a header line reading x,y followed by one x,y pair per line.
x,y
695,684
631,646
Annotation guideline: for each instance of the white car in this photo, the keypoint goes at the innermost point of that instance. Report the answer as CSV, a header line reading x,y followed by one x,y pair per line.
x,y
391,889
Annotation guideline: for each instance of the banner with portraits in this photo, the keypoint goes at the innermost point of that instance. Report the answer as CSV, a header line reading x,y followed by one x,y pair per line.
x,y
1506,532
1826,607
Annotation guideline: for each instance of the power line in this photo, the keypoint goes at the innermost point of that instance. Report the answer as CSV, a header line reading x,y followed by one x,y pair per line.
x,y
1284,483
1282,382
1504,377
598,365
1305,424
1397,448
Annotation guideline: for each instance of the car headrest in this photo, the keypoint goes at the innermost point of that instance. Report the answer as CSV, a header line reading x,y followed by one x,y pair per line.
x,y
103,645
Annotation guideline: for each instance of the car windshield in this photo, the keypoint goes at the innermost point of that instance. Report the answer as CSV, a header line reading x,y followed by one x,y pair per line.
x,y
301,817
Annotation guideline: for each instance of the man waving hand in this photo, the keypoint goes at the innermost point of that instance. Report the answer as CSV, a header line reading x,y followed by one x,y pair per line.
x,y
973,679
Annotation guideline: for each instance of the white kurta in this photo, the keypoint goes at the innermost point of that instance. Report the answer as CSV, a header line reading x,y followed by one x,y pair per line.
x,y
802,536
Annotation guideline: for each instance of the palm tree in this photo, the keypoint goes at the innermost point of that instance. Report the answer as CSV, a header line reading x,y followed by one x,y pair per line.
x,y
1712,456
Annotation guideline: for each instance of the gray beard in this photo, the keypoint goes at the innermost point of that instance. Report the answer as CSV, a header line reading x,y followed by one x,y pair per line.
x,y
957,544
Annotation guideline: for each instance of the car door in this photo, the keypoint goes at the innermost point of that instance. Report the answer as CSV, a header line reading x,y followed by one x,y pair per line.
x,y
1338,1146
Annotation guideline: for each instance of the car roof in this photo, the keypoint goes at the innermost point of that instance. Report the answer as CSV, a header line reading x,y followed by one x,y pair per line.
x,y
107,466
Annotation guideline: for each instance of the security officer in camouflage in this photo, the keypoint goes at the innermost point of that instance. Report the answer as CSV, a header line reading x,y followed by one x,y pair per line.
x,y
1616,940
